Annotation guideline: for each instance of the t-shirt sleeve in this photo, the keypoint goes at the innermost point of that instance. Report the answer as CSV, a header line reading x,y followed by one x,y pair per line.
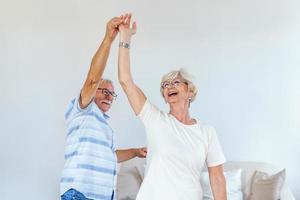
x,y
149,114
215,155
74,108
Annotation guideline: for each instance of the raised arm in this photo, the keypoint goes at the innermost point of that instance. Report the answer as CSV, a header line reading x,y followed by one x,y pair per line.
x,y
134,94
98,63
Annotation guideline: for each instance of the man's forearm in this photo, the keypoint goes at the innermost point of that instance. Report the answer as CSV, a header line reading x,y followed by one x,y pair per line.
x,y
95,73
125,154
99,61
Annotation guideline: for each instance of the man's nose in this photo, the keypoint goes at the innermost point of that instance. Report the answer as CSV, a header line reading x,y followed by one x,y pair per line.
x,y
109,97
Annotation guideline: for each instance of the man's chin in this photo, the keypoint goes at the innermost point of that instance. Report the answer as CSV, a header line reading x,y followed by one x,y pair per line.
x,y
104,108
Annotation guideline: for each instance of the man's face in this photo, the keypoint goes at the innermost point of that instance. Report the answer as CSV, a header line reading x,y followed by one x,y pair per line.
x,y
103,96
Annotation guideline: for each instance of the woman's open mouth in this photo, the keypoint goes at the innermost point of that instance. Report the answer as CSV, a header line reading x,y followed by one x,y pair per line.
x,y
172,94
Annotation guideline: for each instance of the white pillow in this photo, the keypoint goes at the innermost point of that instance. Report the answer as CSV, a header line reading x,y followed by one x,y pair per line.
x,y
233,185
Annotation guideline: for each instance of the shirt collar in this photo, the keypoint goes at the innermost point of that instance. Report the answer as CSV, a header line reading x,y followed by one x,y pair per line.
x,y
105,116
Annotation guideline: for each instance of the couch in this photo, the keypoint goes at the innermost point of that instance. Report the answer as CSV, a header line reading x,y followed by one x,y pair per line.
x,y
131,173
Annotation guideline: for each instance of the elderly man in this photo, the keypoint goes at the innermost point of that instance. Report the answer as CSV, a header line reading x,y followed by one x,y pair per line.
x,y
90,168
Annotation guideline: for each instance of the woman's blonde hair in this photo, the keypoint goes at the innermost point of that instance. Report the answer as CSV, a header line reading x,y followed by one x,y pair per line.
x,y
185,76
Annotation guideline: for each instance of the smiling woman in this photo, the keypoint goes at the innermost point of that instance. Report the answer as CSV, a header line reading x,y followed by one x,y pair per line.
x,y
176,78
178,145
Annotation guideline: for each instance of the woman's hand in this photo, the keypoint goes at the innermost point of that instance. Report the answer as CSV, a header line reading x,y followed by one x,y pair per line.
x,y
125,30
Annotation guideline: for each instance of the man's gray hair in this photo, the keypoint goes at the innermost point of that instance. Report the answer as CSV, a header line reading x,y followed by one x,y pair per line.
x,y
106,80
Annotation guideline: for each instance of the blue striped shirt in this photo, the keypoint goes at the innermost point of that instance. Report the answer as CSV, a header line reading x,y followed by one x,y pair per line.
x,y
90,158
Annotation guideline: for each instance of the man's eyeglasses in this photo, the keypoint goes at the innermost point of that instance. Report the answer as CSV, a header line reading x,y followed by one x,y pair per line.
x,y
106,92
175,83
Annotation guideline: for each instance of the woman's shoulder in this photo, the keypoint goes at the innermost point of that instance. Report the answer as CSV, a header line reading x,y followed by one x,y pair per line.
x,y
204,125
156,108
206,128
152,113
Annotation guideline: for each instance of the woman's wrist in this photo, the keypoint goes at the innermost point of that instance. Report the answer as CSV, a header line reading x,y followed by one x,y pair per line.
x,y
125,38
124,41
124,45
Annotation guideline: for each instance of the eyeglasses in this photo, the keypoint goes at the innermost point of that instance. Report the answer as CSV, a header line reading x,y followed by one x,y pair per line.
x,y
175,83
106,92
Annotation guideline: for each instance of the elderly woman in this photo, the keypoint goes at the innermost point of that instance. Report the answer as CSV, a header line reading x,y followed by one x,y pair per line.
x,y
178,145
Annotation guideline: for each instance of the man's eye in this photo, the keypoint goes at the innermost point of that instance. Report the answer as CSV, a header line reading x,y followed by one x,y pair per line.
x,y
176,82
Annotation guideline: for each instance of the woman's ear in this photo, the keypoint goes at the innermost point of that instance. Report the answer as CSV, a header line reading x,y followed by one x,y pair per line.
x,y
190,95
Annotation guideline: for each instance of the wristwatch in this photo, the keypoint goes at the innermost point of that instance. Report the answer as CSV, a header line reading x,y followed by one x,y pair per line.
x,y
124,44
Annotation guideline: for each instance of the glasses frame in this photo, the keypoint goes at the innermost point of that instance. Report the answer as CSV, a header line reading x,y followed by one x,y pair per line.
x,y
173,83
107,92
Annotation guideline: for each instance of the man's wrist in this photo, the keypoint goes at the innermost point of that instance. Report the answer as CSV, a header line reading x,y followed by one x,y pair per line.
x,y
134,152
107,40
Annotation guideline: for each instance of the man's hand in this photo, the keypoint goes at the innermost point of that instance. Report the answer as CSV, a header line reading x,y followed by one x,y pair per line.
x,y
127,154
112,28
141,152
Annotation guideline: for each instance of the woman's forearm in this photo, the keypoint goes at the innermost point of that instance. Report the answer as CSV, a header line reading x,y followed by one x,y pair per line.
x,y
217,182
218,186
124,73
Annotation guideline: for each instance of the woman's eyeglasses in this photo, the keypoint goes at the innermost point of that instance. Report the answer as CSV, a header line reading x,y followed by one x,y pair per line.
x,y
106,92
174,83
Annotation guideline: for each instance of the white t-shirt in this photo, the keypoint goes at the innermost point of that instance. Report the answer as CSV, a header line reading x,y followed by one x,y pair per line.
x,y
176,155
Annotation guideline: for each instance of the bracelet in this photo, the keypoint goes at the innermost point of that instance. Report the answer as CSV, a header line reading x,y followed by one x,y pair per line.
x,y
124,44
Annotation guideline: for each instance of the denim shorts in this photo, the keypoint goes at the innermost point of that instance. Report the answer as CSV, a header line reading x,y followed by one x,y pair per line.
x,y
73,194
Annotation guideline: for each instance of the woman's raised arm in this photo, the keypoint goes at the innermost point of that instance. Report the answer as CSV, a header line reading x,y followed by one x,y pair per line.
x,y
134,94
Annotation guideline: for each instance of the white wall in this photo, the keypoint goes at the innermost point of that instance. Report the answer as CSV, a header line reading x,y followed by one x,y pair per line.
x,y
244,55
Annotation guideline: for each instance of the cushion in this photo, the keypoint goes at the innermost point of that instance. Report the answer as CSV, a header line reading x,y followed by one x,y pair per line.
x,y
233,185
265,186
128,184
127,198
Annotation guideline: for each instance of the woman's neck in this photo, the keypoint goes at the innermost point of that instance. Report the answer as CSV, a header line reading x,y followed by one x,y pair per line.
x,y
181,113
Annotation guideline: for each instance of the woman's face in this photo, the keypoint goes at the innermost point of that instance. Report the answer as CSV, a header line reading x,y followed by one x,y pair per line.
x,y
176,91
